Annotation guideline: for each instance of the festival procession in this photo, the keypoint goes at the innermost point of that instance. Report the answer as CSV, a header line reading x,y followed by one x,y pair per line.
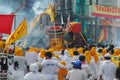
x,y
59,40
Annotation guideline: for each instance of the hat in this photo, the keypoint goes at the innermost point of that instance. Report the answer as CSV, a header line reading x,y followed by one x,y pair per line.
x,y
18,51
39,65
76,64
63,62
34,67
107,55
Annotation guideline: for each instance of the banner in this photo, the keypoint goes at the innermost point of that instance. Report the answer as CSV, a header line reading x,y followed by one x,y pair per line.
x,y
106,11
18,33
6,22
50,12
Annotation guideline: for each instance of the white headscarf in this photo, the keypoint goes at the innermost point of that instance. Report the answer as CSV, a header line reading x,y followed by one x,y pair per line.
x,y
34,68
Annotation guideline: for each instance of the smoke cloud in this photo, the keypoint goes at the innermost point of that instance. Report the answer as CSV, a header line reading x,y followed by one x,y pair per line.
x,y
37,37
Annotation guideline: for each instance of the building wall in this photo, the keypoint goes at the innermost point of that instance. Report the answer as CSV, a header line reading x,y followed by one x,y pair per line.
x,y
109,2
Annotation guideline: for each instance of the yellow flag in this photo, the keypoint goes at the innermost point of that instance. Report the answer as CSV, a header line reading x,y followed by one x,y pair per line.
x,y
18,33
101,36
50,12
2,44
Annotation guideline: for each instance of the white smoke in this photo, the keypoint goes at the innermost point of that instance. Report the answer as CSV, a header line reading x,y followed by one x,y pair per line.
x,y
37,37
5,9
41,5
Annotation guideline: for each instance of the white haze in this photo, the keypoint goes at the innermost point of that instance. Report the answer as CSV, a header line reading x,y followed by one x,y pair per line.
x,y
37,37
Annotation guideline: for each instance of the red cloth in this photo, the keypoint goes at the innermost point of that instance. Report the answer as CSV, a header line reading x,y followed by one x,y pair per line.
x,y
6,22
76,28
56,28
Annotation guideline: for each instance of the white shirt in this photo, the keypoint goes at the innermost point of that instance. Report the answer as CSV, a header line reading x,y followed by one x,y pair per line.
x,y
22,62
85,67
76,74
50,66
17,75
61,57
31,58
93,68
75,58
107,70
67,59
34,76
39,58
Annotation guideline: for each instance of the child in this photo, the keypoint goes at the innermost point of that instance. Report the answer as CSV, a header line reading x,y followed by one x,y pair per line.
x,y
76,73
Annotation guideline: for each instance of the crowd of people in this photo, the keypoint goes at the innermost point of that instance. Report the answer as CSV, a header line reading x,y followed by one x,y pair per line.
x,y
61,63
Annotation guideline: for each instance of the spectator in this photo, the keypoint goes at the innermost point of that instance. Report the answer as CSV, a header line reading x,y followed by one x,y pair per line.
x,y
16,73
75,57
76,73
31,57
34,74
50,67
85,67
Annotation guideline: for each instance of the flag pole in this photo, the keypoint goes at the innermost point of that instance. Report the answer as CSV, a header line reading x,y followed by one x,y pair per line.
x,y
15,20
55,36
13,13
14,30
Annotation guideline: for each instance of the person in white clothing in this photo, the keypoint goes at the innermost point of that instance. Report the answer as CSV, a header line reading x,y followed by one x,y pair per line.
x,y
34,74
50,67
85,67
22,63
76,73
16,73
75,57
107,69
93,69
31,57
61,55
67,59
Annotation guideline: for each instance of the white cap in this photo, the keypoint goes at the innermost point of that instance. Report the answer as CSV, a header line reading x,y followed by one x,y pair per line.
x,y
34,67
39,65
107,55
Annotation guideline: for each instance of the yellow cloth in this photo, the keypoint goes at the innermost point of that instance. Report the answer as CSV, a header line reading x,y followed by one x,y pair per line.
x,y
57,56
58,47
116,52
94,54
80,50
101,37
51,50
50,12
104,52
31,49
115,60
2,44
70,51
42,53
18,51
36,50
87,56
96,58
62,72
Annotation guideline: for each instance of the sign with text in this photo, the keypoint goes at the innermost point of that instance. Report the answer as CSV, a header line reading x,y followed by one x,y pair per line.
x,y
106,11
